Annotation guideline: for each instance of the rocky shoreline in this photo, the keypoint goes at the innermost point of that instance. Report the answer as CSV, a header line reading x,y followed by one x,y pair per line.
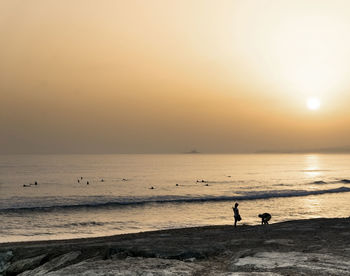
x,y
301,247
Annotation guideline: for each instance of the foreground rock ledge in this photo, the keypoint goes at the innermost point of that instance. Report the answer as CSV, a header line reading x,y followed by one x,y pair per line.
x,y
303,247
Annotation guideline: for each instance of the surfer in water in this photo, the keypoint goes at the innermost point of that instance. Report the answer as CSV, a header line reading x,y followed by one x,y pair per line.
x,y
236,214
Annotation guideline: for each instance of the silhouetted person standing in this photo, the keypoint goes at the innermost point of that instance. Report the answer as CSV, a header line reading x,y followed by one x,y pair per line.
x,y
236,214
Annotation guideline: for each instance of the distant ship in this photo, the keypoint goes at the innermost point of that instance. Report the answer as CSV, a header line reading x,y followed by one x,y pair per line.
x,y
192,152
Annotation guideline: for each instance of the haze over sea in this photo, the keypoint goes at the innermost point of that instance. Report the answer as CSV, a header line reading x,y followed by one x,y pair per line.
x,y
189,190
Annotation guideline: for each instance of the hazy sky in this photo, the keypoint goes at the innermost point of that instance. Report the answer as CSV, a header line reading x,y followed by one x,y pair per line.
x,y
109,76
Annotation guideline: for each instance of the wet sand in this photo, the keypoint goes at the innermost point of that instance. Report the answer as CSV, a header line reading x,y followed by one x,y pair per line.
x,y
301,247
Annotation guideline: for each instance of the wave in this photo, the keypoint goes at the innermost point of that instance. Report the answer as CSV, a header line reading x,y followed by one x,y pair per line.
x,y
124,202
315,170
83,224
221,181
344,181
319,182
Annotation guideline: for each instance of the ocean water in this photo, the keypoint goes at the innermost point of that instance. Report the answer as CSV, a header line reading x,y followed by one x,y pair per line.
x,y
188,190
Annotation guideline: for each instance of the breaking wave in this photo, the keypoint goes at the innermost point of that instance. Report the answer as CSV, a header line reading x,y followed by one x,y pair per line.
x,y
100,202
344,181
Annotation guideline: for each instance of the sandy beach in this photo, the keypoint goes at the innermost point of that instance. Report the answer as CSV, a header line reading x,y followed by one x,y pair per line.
x,y
300,247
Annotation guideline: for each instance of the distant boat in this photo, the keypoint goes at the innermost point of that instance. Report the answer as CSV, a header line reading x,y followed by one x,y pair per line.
x,y
192,152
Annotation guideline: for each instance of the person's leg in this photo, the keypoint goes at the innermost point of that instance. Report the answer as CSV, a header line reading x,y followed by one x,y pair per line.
x,y
235,222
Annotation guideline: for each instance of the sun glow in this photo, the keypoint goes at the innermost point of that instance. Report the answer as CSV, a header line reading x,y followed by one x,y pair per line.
x,y
313,103
297,51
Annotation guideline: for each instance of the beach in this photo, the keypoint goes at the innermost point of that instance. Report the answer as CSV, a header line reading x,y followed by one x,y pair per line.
x,y
299,247
135,135
190,190
184,226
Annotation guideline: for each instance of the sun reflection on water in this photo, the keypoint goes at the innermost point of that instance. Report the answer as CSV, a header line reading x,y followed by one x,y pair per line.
x,y
312,168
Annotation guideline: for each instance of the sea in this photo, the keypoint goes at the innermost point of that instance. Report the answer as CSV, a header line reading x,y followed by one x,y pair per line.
x,y
50,197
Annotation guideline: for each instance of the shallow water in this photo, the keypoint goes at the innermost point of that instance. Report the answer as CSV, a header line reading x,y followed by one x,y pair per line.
x,y
287,186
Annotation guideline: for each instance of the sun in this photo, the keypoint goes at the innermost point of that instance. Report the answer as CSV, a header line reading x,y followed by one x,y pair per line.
x,y
313,103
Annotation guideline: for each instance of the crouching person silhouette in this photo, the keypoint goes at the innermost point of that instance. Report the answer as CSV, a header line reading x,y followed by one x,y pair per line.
x,y
265,217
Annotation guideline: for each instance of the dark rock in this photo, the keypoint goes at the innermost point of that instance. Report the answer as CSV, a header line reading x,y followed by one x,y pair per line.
x,y
54,264
24,264
5,257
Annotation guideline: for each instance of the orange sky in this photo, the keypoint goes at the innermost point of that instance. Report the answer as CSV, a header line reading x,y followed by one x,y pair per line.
x,y
138,76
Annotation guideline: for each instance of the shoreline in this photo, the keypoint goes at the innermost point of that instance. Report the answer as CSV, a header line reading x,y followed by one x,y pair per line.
x,y
313,246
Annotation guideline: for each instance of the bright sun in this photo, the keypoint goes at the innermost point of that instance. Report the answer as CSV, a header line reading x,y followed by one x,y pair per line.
x,y
300,52
313,103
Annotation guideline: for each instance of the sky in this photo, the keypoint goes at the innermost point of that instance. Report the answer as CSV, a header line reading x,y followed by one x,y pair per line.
x,y
161,76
